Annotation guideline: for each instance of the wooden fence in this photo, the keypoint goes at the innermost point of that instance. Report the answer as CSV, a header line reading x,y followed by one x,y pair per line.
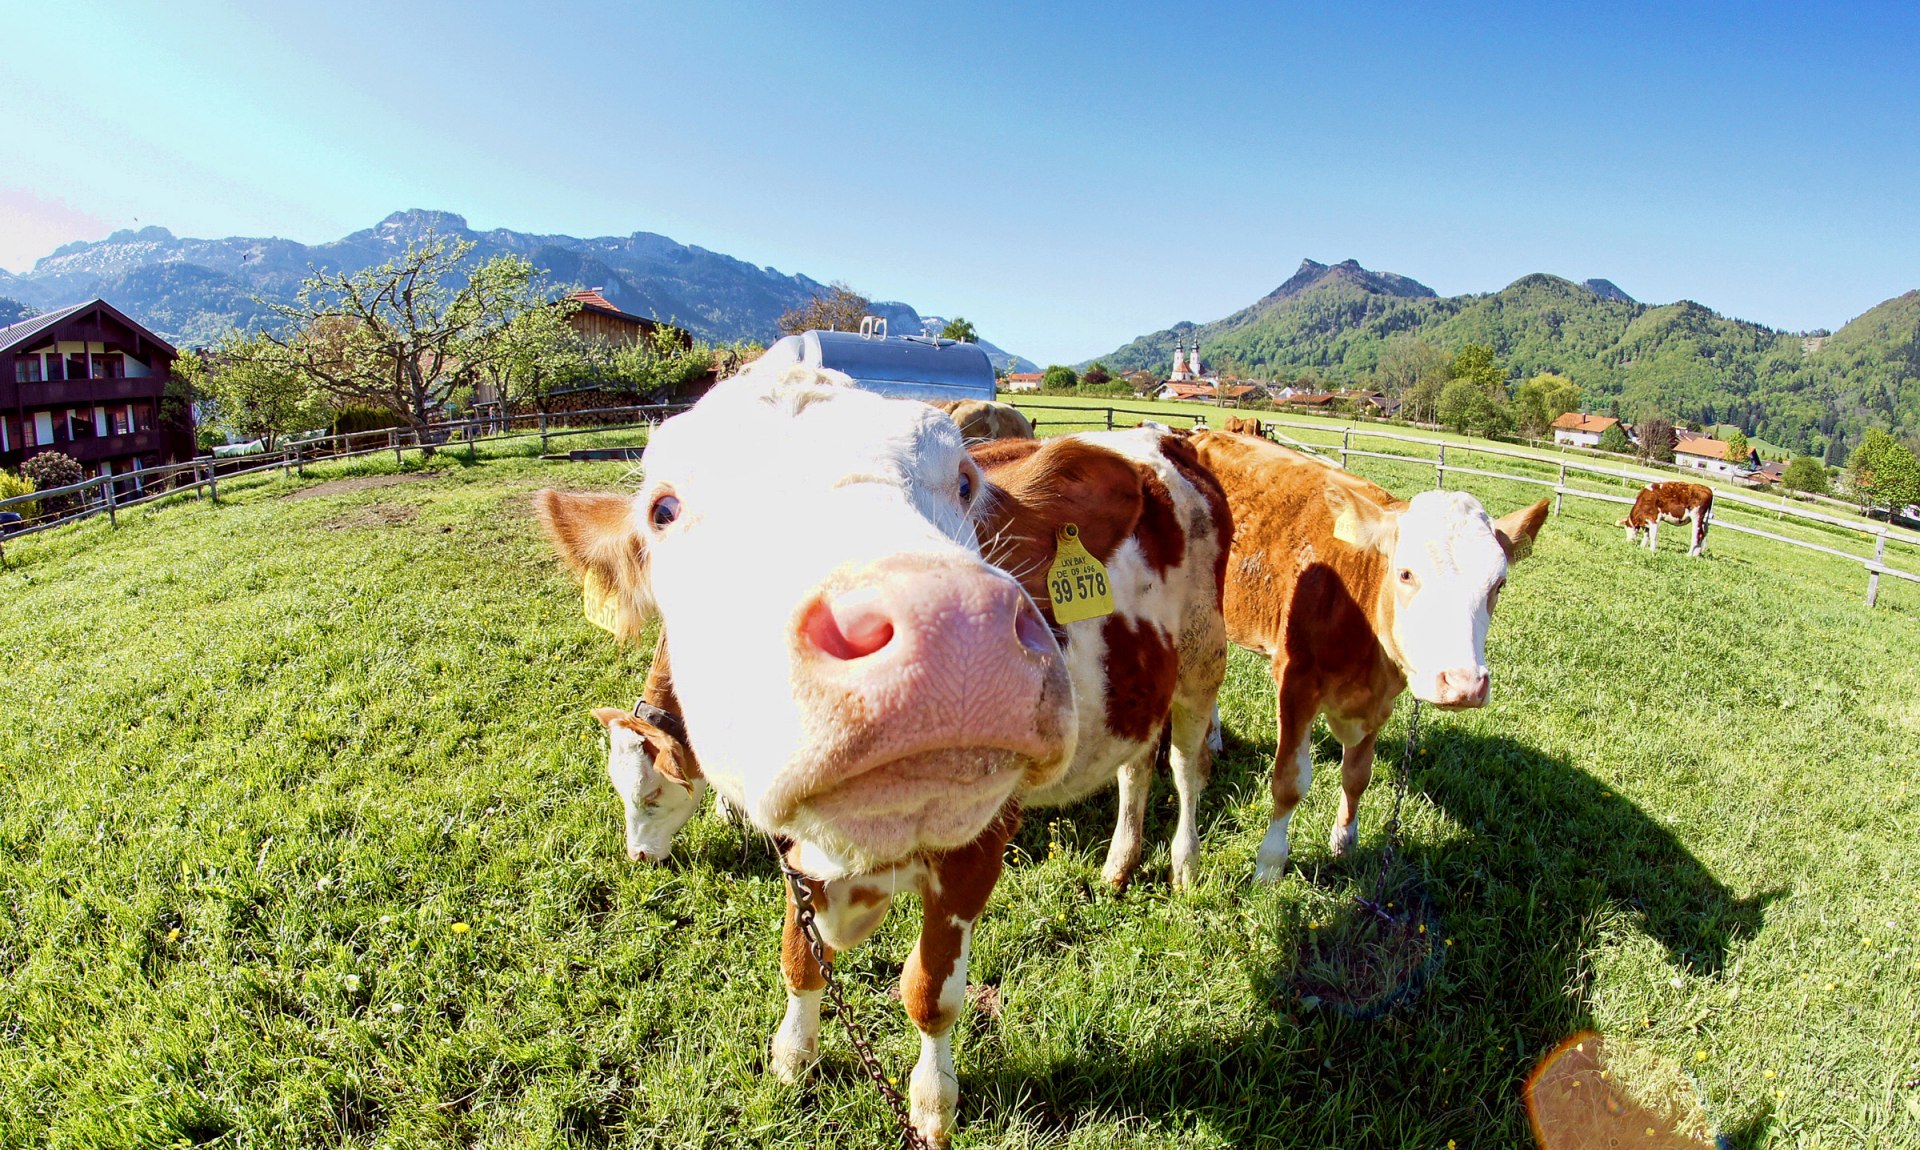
x,y
1875,566
110,494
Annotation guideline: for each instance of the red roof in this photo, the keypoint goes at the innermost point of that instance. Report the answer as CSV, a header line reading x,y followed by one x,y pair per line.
x,y
1703,446
1190,390
1026,377
1580,421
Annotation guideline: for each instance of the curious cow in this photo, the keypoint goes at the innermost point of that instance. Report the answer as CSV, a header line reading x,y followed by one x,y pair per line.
x,y
1242,426
869,661
1674,503
1355,596
980,419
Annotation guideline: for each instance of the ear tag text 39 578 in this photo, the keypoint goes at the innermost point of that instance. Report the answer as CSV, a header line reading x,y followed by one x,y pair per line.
x,y
597,603
1077,582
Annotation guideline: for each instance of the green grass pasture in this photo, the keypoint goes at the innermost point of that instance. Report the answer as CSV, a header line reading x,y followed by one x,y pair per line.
x,y
305,840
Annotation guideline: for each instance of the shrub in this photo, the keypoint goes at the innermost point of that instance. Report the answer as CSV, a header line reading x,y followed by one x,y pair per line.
x,y
48,470
1615,440
1805,473
12,485
348,420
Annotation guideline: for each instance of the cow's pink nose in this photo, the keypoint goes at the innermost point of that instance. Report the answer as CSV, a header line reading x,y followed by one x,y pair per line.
x,y
850,625
1464,687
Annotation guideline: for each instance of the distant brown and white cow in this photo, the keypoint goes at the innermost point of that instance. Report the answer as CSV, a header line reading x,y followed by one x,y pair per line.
x,y
981,419
864,667
1242,426
1355,596
1672,503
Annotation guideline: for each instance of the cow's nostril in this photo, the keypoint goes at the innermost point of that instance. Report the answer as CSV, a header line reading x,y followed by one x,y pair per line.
x,y
851,625
1032,629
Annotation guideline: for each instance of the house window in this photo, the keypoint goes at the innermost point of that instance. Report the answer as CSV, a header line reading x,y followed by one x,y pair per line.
x,y
53,371
110,366
26,369
42,429
122,420
77,365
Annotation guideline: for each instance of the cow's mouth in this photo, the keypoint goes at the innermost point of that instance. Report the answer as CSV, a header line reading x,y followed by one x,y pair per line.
x,y
926,801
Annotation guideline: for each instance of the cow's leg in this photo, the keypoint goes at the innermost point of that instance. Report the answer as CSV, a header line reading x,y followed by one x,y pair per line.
x,y
1653,534
1216,734
1699,534
1189,763
1356,771
1292,773
934,984
845,912
1129,828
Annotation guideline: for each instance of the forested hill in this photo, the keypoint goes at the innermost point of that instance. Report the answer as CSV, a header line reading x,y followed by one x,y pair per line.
x,y
192,291
1681,360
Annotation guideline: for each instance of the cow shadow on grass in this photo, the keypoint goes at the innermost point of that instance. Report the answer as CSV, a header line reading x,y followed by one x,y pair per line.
x,y
1547,860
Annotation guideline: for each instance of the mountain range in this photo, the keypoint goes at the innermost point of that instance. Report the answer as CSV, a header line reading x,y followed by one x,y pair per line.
x,y
192,291
1814,392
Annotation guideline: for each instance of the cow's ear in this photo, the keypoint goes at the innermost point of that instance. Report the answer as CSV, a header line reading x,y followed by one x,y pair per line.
x,y
1517,530
595,536
608,716
1358,522
671,757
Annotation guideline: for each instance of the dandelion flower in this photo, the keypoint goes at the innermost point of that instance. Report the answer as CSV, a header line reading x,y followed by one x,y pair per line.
x,y
1768,1073
459,928
1699,1056
173,935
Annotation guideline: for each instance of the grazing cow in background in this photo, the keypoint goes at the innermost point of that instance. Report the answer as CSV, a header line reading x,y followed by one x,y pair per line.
x,y
651,766
863,668
1243,426
1355,596
980,419
1673,503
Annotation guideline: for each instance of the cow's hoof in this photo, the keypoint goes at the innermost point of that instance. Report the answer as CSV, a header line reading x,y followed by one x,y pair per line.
x,y
1266,872
791,1063
1343,839
1186,872
1117,877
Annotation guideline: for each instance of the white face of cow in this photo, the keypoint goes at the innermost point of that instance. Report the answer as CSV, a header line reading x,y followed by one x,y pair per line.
x,y
851,672
1447,563
658,796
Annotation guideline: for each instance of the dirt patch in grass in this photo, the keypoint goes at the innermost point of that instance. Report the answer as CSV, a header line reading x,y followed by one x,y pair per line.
x,y
359,483
372,515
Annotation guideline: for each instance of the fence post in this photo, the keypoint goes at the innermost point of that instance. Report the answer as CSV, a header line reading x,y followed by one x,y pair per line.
x,y
1873,576
106,486
213,481
286,461
393,441
1440,469
1344,434
1109,419
543,433
1560,488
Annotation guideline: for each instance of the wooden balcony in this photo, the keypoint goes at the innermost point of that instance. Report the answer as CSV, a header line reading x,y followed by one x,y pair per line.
x,y
91,449
49,393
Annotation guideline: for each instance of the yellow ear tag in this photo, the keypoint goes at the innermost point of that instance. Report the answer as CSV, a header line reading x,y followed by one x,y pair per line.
x,y
1348,529
597,603
1077,582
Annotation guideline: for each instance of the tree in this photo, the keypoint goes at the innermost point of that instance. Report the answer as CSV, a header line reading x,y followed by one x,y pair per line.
x,y
839,308
1657,439
1408,364
1422,401
1476,364
1614,439
1806,474
1884,471
526,356
1544,398
1738,448
394,335
257,393
1058,379
1096,374
1466,407
961,330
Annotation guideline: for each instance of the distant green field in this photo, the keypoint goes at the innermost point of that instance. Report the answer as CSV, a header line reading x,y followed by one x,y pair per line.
x,y
306,841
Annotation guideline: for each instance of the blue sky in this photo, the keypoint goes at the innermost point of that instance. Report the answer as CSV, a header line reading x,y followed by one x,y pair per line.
x,y
1067,177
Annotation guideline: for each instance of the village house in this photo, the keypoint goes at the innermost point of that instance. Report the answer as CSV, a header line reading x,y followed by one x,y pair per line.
x,y
1705,453
1024,380
89,382
1581,430
1198,392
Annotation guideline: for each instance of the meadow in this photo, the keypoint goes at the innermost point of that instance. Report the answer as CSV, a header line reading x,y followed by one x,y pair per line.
x,y
306,840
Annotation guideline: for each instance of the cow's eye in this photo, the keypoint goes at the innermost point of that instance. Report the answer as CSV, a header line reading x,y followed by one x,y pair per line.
x,y
966,486
1406,576
666,509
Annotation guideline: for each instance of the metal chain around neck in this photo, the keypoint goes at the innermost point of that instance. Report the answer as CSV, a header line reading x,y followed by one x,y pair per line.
x,y
910,1138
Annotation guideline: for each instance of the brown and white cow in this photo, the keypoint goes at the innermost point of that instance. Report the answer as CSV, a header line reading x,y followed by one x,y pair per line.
x,y
1240,426
863,664
982,419
1672,503
1355,596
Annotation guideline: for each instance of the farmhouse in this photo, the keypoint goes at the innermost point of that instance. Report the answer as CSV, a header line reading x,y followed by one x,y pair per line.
x,y
88,381
1024,381
1200,392
1582,430
596,318
1705,453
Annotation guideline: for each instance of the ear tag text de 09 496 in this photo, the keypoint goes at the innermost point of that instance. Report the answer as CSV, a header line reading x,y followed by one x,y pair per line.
x,y
1077,582
597,603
